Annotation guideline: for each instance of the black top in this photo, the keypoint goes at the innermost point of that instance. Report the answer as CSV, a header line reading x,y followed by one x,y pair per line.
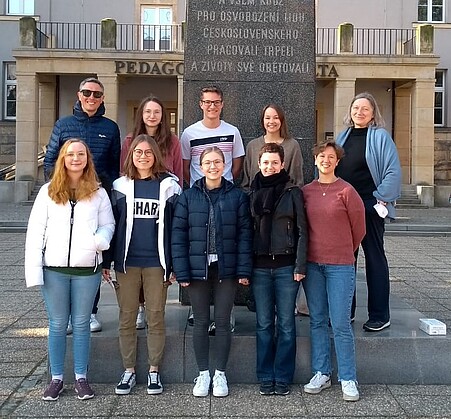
x,y
353,167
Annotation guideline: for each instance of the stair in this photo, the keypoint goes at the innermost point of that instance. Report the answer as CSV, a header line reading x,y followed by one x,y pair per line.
x,y
34,193
398,355
409,198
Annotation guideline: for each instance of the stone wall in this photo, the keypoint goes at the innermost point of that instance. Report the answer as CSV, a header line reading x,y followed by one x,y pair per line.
x,y
442,157
7,143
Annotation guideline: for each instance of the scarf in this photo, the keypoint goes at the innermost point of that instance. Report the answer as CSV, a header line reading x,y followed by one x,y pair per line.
x,y
267,190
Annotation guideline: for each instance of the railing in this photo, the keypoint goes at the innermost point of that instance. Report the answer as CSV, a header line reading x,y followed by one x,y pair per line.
x,y
79,36
371,41
129,37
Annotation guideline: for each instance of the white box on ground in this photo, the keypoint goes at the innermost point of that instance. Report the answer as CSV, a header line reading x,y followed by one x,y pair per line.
x,y
433,326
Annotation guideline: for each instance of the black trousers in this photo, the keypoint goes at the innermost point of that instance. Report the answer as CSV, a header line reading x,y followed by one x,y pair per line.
x,y
376,267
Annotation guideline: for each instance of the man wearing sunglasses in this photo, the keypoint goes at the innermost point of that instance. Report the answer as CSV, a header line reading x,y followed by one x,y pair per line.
x,y
211,131
102,136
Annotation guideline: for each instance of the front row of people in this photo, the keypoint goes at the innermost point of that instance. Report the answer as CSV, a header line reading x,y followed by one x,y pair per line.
x,y
210,239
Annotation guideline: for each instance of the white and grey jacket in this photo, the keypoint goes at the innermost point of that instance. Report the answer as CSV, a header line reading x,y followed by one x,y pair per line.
x,y
66,235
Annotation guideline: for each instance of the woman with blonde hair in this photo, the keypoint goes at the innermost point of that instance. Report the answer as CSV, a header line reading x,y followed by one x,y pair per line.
x,y
70,224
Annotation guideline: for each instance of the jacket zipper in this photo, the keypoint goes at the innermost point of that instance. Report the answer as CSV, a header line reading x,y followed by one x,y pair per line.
x,y
72,204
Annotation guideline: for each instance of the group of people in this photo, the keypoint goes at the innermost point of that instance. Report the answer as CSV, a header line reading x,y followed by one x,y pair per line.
x,y
273,234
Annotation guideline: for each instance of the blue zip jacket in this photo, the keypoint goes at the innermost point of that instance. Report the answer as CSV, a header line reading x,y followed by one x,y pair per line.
x,y
98,132
233,233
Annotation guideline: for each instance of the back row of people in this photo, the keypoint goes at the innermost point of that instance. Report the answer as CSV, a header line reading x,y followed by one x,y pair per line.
x,y
152,212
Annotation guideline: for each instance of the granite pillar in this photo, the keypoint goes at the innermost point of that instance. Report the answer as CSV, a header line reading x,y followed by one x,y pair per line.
x,y
258,52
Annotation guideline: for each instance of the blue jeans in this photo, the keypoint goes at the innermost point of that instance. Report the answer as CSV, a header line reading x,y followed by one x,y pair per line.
x,y
329,290
275,291
66,295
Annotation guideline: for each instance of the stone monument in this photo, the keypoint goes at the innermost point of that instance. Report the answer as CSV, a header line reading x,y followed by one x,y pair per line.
x,y
258,52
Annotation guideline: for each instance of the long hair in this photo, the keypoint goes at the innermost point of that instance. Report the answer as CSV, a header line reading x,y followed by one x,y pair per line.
x,y
158,167
163,135
377,121
59,188
283,122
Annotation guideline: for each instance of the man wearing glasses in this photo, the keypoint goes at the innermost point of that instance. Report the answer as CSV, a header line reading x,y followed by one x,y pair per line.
x,y
102,136
211,131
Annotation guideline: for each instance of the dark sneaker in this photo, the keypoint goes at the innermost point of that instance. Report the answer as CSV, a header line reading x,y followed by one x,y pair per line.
x,y
281,389
266,388
375,326
83,389
53,391
127,382
154,385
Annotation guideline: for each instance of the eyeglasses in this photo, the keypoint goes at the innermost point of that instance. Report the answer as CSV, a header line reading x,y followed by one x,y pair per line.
x,y
215,103
87,93
80,155
138,152
208,163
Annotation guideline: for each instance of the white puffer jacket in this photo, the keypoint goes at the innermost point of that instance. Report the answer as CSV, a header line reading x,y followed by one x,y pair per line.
x,y
61,236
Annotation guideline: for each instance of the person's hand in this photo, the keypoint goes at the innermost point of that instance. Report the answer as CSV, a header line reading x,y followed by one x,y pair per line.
x,y
106,275
381,202
184,284
243,281
172,278
298,277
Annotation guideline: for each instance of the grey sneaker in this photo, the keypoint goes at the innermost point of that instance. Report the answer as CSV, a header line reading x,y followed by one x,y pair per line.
x,y
141,318
349,389
53,391
83,389
317,384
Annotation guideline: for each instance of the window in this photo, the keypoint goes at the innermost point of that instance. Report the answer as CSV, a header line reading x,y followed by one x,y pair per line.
x,y
20,7
10,91
157,27
439,99
431,10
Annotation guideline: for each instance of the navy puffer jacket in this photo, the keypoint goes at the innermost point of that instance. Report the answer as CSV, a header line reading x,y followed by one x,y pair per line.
x,y
233,233
98,132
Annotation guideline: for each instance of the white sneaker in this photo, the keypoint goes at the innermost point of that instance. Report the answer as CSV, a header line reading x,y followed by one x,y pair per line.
x,y
126,383
318,383
94,324
69,329
349,389
202,385
141,318
220,388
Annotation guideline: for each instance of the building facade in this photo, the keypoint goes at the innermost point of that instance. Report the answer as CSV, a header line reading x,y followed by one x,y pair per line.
x,y
395,50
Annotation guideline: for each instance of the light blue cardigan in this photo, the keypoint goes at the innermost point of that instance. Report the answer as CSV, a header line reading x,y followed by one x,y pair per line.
x,y
383,162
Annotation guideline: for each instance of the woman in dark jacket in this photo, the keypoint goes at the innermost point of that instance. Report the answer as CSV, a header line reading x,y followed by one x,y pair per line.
x,y
212,249
280,250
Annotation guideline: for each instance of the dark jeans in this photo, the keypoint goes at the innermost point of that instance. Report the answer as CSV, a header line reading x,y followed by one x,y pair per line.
x,y
223,297
275,292
376,268
95,306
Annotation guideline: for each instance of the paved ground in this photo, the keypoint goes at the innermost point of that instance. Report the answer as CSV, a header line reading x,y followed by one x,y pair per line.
x,y
420,273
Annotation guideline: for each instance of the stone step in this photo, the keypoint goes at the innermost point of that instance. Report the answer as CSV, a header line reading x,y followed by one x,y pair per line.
x,y
401,205
398,355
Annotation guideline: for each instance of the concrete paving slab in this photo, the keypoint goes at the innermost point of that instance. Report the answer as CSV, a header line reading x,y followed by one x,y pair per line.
x,y
8,385
405,390
425,406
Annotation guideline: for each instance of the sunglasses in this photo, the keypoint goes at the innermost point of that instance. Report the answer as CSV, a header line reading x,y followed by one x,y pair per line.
x,y
88,93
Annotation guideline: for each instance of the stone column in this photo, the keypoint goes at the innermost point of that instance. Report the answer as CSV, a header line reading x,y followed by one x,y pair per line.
x,y
108,33
111,84
179,104
423,132
26,131
402,134
424,39
27,29
47,111
344,93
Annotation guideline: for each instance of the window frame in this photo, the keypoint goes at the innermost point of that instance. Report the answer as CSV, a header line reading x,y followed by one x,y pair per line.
x,y
22,6
440,90
7,83
156,35
430,11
